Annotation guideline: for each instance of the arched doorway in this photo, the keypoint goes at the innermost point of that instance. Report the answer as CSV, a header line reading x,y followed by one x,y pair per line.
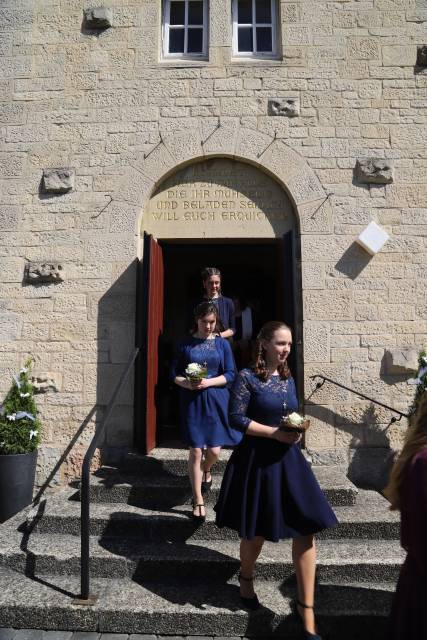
x,y
217,212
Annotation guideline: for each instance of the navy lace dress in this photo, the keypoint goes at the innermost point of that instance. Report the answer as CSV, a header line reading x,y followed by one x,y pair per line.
x,y
268,489
204,413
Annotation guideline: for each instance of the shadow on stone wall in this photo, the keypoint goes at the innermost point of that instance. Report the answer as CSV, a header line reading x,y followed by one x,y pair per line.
x,y
363,433
115,312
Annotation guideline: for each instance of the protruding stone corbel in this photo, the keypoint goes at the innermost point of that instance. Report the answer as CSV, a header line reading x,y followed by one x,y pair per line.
x,y
98,18
59,180
44,382
374,171
44,272
288,107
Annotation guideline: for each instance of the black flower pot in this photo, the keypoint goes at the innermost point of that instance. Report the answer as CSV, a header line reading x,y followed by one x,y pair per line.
x,y
17,474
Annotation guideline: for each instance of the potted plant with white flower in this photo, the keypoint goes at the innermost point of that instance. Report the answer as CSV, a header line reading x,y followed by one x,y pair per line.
x,y
19,439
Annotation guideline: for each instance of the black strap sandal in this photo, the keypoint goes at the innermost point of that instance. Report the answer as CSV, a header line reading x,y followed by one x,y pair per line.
x,y
206,484
250,603
297,603
198,517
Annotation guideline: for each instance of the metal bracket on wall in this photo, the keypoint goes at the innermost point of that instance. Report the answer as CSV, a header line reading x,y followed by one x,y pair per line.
x,y
324,379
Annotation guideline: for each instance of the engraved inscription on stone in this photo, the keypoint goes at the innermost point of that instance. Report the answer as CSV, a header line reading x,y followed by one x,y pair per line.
x,y
42,272
219,198
283,107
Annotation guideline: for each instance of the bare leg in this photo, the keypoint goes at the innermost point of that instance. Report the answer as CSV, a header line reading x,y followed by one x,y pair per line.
x,y
195,473
304,559
212,455
249,552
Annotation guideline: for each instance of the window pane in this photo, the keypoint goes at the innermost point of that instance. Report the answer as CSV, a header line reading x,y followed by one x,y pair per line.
x,y
195,41
244,14
177,15
195,12
263,10
176,40
245,39
263,39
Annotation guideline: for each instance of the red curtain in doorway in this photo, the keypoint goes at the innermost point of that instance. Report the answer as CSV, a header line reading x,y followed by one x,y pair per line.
x,y
150,321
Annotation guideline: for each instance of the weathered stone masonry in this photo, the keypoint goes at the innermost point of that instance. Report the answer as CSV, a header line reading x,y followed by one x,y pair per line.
x,y
99,103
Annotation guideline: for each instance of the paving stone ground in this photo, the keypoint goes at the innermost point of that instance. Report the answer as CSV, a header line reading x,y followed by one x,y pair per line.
x,y
37,634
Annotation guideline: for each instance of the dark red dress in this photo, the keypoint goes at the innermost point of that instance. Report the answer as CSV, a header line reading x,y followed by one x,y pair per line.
x,y
409,610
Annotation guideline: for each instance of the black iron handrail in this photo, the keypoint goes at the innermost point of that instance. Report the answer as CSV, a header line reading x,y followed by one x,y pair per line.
x,y
85,598
361,395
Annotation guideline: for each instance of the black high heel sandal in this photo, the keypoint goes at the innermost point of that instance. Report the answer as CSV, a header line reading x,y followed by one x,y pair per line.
x,y
250,603
294,605
200,517
206,484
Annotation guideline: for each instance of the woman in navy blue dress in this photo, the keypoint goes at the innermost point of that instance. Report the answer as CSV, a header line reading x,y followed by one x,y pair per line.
x,y
204,404
211,279
269,491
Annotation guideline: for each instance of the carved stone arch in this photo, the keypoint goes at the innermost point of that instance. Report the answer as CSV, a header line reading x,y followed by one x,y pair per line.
x,y
178,148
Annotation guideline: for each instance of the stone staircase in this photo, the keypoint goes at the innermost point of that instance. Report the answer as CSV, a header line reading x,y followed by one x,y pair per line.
x,y
158,572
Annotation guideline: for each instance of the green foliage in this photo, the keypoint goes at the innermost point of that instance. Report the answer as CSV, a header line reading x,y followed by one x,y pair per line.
x,y
19,433
420,381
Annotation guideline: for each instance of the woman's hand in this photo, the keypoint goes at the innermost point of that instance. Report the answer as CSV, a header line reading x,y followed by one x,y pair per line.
x,y
286,437
204,383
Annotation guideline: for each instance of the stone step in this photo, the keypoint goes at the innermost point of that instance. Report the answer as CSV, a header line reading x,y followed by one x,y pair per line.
x,y
55,554
166,491
352,611
369,518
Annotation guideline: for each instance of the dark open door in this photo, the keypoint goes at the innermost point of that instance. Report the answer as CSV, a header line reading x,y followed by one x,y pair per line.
x,y
149,319
291,312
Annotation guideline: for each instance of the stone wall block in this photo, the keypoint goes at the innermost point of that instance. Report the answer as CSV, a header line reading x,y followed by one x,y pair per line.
x,y
135,187
155,163
10,326
217,140
316,217
317,342
374,171
42,272
184,145
59,180
283,107
98,18
251,143
398,56
422,55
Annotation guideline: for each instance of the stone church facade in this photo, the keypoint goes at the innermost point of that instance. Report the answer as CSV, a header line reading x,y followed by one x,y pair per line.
x,y
129,118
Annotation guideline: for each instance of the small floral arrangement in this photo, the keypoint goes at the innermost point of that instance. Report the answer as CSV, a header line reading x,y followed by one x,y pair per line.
x,y
20,429
294,422
420,381
195,371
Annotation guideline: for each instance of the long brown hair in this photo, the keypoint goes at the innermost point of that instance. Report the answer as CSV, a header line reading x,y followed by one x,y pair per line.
x,y
416,440
266,335
205,309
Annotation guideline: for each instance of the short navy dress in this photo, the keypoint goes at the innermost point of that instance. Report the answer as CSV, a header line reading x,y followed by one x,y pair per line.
x,y
268,489
204,413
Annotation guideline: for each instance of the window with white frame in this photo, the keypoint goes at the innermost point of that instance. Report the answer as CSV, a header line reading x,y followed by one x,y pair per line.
x,y
185,29
255,28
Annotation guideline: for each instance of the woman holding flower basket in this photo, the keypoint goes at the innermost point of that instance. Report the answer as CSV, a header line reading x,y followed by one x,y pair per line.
x,y
269,491
202,369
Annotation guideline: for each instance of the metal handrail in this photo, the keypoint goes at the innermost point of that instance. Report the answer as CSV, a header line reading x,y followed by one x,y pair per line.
x,y
85,598
361,395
